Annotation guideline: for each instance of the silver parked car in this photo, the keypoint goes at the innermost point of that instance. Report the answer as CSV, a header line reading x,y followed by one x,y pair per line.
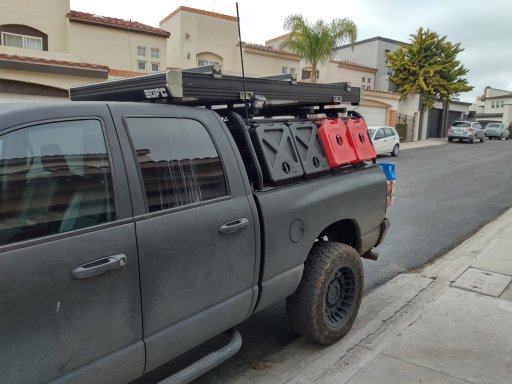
x,y
496,131
466,130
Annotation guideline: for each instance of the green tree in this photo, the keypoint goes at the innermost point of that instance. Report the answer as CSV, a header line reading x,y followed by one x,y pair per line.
x,y
428,66
316,42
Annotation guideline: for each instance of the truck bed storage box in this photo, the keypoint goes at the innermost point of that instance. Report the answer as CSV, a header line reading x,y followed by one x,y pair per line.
x,y
309,148
276,152
359,139
334,137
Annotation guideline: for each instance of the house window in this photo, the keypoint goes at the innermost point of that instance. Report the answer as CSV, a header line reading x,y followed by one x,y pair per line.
x,y
292,71
386,55
155,67
141,66
502,103
284,70
155,53
204,63
22,41
204,59
363,80
369,80
306,74
492,104
141,51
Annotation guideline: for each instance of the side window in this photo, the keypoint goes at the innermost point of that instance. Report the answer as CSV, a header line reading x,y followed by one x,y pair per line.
x,y
379,134
389,132
54,178
178,162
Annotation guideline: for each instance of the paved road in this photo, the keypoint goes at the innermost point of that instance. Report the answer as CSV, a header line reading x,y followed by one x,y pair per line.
x,y
445,194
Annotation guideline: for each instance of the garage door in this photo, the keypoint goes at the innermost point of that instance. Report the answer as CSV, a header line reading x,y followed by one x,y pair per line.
x,y
373,115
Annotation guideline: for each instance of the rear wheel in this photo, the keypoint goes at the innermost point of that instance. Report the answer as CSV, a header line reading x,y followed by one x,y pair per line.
x,y
482,139
473,140
326,303
395,151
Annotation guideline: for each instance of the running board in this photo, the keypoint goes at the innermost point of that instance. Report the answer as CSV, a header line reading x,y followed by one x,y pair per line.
x,y
208,362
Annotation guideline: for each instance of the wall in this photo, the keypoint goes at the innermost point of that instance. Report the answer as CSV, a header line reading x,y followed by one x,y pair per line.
x,y
371,53
364,54
49,19
48,79
493,92
207,32
409,105
95,45
382,69
258,63
332,72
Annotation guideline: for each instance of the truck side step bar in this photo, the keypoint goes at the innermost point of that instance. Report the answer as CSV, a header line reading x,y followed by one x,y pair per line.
x,y
203,365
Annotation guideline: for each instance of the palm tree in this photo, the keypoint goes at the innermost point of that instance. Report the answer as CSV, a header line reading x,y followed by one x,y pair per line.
x,y
316,42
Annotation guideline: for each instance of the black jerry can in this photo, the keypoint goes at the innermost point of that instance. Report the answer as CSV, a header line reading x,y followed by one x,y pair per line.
x,y
276,152
309,148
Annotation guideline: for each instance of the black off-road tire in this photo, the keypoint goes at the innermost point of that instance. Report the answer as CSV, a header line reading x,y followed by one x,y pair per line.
x,y
325,305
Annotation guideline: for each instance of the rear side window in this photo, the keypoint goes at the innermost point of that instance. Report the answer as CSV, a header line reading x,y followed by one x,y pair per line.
x,y
54,178
178,162
380,134
461,124
389,132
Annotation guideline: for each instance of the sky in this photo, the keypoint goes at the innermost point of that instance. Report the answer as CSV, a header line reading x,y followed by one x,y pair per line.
x,y
483,28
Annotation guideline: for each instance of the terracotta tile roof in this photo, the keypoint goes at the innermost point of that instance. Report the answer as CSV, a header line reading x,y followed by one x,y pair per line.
x,y
383,92
111,22
267,49
345,63
199,12
58,63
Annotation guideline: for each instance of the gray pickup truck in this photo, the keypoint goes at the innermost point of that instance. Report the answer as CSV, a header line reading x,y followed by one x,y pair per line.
x,y
132,232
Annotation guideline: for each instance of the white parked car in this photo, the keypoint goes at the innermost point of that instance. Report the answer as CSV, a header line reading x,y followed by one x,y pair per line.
x,y
385,140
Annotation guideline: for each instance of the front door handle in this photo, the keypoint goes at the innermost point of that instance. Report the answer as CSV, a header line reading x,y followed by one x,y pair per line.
x,y
99,267
234,226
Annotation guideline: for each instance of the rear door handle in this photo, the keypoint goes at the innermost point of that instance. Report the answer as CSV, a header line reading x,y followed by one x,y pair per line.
x,y
99,267
234,226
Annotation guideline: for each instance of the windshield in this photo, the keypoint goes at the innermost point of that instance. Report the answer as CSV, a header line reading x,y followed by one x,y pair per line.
x,y
493,125
371,131
461,124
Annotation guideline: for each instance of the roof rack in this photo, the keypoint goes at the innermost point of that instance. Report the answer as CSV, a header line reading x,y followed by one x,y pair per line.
x,y
208,87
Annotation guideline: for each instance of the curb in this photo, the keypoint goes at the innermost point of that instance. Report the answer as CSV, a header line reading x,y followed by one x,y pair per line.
x,y
384,314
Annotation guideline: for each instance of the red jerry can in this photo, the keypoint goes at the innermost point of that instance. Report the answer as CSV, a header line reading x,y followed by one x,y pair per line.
x,y
334,137
359,139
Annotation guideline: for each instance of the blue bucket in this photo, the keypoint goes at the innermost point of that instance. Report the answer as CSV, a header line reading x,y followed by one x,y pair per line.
x,y
389,170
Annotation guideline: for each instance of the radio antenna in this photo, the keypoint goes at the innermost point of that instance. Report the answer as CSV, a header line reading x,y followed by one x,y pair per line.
x,y
242,62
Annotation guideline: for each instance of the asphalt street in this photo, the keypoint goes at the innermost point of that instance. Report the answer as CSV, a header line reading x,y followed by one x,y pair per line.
x,y
445,194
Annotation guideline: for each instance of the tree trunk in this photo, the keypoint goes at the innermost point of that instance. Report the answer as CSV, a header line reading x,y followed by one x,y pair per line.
x,y
420,130
313,73
445,119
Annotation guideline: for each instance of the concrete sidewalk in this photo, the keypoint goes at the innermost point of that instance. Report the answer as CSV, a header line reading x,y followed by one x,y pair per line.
x,y
421,143
450,322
